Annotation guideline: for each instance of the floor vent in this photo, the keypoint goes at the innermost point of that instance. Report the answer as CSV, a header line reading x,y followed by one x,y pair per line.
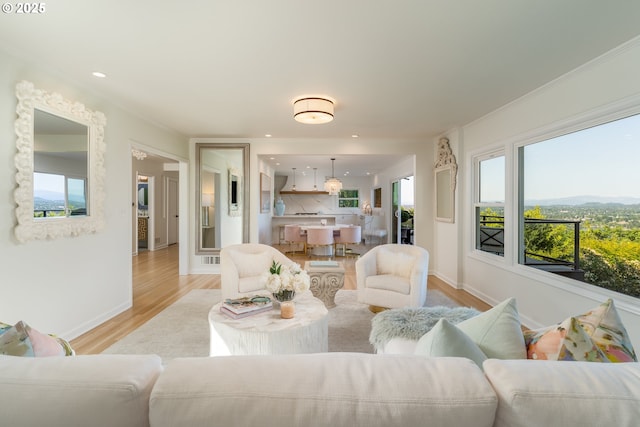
x,y
210,260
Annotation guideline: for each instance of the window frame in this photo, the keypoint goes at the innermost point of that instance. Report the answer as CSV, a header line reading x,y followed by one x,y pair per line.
x,y
65,190
477,205
594,117
357,198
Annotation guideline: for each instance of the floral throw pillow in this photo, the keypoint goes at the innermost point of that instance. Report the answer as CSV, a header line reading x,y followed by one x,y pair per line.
x,y
4,327
567,341
605,328
22,340
595,336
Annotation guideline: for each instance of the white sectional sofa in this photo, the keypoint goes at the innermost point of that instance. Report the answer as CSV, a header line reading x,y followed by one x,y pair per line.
x,y
329,389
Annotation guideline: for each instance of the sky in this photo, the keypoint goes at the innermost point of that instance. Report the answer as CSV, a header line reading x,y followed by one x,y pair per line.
x,y
48,182
600,161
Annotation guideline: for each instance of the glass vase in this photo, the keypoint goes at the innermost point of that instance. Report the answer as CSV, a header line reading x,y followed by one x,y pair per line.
x,y
284,296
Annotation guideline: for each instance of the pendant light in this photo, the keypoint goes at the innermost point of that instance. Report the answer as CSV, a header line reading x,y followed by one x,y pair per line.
x,y
315,187
332,185
293,187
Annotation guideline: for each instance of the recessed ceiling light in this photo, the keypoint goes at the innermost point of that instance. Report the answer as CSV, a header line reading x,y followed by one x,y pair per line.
x,y
268,135
355,135
99,74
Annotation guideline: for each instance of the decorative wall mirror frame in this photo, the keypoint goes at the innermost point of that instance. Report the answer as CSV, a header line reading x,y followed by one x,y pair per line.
x,y
221,196
446,170
43,148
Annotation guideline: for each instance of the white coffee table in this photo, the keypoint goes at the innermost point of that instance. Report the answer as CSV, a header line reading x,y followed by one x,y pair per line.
x,y
267,333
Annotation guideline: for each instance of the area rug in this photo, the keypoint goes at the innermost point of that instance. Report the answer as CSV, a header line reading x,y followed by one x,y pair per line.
x,y
182,329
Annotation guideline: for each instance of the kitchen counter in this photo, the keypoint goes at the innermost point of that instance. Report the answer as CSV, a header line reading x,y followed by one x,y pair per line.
x,y
323,216
278,223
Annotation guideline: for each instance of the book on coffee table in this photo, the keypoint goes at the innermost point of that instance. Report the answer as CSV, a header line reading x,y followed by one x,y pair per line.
x,y
246,306
227,312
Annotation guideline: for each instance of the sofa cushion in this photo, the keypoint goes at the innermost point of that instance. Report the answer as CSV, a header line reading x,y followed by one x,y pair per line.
x,y
604,326
322,390
96,390
445,340
250,284
389,282
22,340
497,331
566,341
558,394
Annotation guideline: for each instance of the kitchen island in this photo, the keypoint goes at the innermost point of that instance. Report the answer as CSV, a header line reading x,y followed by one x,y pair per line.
x,y
278,223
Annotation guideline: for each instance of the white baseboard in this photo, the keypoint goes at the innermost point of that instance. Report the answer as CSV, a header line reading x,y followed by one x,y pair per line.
x,y
96,321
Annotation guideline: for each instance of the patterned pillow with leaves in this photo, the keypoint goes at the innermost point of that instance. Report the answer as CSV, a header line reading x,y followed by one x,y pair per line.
x,y
567,341
604,326
22,340
4,327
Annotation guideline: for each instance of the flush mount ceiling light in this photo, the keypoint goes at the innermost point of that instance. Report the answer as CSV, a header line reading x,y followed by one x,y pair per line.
x,y
333,185
313,110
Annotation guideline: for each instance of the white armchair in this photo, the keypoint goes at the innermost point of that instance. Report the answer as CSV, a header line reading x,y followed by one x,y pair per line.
x,y
393,276
242,265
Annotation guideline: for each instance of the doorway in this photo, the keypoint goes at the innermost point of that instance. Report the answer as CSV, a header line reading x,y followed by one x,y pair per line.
x,y
402,210
167,202
172,210
144,205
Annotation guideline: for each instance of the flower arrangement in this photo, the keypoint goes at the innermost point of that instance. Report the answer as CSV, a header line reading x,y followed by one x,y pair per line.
x,y
283,281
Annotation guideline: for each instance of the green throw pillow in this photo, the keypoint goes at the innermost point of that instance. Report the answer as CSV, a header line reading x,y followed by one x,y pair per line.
x,y
446,340
497,331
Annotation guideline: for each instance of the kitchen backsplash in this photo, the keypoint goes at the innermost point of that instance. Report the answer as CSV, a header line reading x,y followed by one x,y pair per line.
x,y
315,204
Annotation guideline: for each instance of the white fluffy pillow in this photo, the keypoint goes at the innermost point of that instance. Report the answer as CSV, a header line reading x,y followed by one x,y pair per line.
x,y
396,263
250,265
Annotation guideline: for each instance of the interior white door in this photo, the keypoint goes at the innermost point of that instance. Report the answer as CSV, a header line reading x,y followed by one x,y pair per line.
x,y
172,211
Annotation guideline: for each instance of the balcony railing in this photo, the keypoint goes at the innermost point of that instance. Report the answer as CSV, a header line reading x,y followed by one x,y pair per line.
x,y
491,239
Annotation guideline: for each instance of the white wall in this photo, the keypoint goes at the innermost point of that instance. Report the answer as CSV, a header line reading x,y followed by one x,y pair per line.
x,y
544,299
69,285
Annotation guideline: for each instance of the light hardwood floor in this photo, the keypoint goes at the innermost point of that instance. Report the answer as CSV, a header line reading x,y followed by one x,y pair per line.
x,y
156,285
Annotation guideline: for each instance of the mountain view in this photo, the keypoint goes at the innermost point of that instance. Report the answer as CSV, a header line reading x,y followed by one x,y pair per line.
x,y
581,200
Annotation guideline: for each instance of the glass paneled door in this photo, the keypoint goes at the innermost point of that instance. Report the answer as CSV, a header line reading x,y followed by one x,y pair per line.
x,y
402,210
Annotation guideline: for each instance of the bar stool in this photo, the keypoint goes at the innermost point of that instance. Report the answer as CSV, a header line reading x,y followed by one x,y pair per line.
x,y
321,237
294,236
351,235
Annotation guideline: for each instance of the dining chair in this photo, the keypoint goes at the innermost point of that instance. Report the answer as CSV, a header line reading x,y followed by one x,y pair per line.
x,y
351,235
321,238
293,236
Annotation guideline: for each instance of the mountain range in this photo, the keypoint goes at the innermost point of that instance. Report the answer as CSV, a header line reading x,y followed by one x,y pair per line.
x,y
583,200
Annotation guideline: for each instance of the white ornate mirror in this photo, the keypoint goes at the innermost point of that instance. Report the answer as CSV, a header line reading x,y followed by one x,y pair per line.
x,y
60,163
446,169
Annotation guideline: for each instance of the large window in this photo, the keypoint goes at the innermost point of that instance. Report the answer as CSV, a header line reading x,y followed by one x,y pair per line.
x,y
489,203
579,212
57,195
